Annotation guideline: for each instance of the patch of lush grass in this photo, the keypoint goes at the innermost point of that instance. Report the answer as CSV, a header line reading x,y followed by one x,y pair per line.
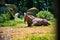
x,y
11,22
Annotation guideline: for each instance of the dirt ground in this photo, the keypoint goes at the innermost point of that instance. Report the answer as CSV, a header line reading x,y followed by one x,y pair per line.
x,y
21,32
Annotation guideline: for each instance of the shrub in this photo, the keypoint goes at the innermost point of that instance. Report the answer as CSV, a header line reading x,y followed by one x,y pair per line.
x,y
45,15
4,17
5,20
20,20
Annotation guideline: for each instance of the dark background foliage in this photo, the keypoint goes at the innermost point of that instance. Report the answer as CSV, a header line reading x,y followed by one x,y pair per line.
x,y
40,4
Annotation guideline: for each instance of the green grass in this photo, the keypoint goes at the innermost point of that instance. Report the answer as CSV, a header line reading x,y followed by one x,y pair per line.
x,y
19,21
37,37
11,22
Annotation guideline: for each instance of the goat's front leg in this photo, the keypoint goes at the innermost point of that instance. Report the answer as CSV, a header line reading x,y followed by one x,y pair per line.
x,y
29,24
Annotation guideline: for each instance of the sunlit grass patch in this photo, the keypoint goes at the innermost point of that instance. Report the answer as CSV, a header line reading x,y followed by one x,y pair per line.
x,y
12,22
37,37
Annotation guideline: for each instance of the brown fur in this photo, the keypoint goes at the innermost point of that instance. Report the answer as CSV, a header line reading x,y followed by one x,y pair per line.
x,y
40,22
27,19
33,21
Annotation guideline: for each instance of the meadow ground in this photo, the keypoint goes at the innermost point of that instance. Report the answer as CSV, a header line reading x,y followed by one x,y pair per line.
x,y
22,32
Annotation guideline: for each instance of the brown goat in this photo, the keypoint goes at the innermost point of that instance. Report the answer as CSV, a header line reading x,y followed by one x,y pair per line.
x,y
33,21
27,19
